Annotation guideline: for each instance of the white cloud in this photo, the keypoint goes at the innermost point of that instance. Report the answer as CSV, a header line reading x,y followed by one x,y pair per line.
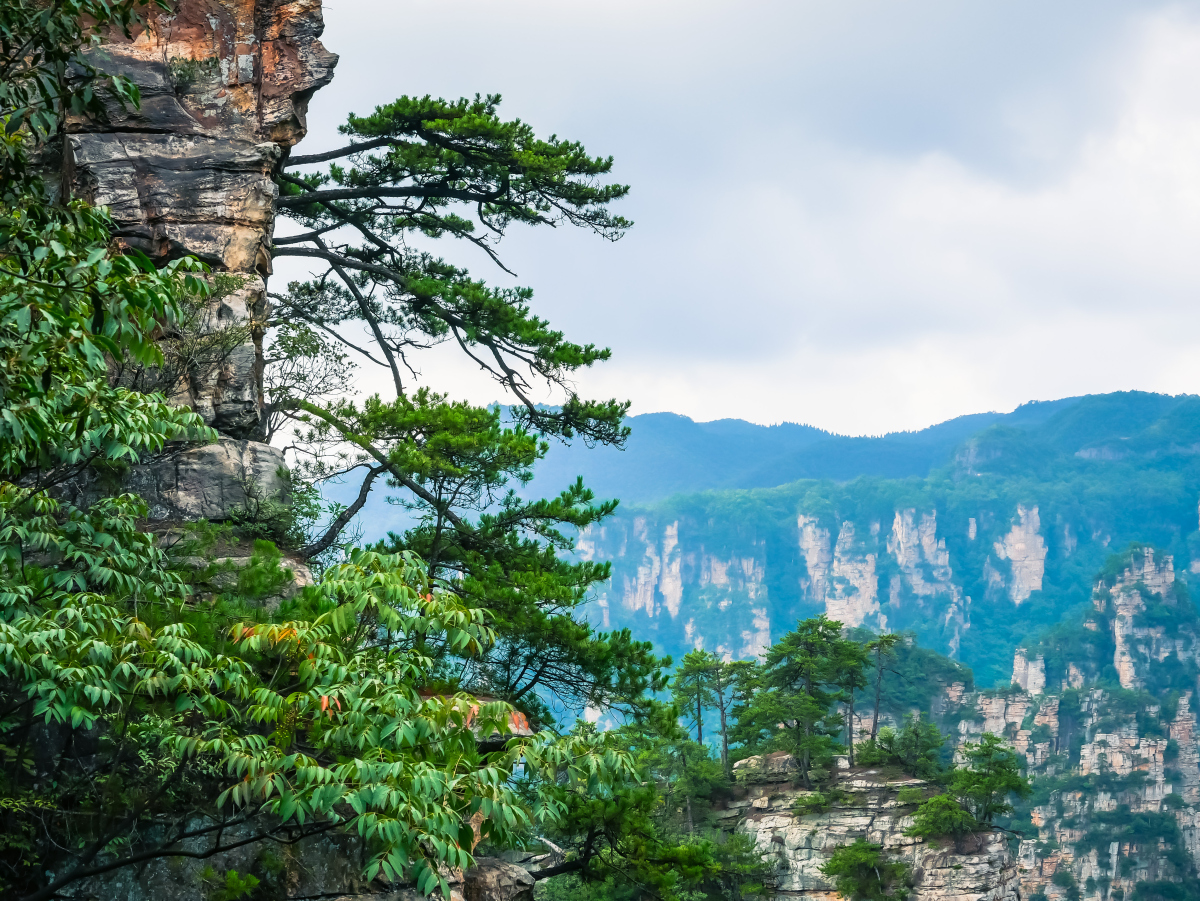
x,y
1030,233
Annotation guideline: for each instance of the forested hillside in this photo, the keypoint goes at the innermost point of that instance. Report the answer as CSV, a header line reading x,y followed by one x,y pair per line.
x,y
1001,539
670,454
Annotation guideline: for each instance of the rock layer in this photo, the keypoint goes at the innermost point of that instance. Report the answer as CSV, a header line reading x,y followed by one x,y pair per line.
x,y
1116,774
225,86
867,806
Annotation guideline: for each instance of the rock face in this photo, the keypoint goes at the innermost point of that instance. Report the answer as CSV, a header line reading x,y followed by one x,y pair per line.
x,y
211,482
844,581
225,86
866,806
1029,674
690,585
1138,645
1116,773
1025,549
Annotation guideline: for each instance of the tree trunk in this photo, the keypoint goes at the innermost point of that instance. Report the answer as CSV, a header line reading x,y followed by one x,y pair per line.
x,y
878,691
724,741
691,825
850,726
699,717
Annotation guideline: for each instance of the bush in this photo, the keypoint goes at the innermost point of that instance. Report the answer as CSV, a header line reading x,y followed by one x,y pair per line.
x,y
818,802
916,748
861,872
942,816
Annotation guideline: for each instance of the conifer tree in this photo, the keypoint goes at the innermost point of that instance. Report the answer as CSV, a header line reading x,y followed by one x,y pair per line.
x,y
414,170
798,686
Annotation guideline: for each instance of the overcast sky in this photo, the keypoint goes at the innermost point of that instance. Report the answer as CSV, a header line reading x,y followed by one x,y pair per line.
x,y
863,216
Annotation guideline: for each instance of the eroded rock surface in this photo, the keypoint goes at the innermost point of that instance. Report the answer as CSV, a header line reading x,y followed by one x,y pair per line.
x,y
225,86
1116,773
868,807
213,481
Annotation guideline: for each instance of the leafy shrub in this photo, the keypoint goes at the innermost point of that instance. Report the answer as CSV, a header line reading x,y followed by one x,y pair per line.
x,y
911,796
942,816
861,872
819,802
916,748
231,887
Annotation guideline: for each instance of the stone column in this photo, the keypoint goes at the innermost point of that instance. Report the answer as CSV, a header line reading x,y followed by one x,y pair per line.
x,y
225,86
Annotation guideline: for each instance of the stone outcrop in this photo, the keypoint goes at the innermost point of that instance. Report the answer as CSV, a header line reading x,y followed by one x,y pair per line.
x,y
213,481
1138,646
1029,674
225,86
1099,757
1025,549
662,572
696,591
844,580
861,803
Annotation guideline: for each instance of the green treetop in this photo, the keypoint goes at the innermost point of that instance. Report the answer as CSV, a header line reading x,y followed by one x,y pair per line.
x,y
800,682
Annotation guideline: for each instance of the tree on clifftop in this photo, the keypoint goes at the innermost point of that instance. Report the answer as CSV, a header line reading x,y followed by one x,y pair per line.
x,y
419,169
138,722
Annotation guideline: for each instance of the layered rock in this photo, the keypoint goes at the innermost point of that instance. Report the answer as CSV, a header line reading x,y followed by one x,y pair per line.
x,y
1025,550
731,597
214,481
1137,646
225,86
844,581
1116,773
860,803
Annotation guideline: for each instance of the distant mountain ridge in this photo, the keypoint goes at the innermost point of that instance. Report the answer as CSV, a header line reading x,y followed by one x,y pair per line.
x,y
668,454
997,539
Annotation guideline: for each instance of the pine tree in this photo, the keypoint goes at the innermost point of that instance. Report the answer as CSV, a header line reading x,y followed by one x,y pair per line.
x,y
422,168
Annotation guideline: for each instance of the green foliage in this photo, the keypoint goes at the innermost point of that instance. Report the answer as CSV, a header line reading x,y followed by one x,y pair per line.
x,y
1166,890
658,833
861,872
977,793
990,778
916,748
819,801
45,75
286,520
911,796
791,704
230,888
942,815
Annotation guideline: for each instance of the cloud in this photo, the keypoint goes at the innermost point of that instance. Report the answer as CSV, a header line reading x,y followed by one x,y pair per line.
x,y
865,218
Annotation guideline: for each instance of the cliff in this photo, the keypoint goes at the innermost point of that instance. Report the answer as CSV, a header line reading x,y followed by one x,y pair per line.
x,y
976,558
1103,710
799,836
225,86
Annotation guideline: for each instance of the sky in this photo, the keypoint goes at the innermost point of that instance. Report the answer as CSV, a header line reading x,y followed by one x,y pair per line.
x,y
868,217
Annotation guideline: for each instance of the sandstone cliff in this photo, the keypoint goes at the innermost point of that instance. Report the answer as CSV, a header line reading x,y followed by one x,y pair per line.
x,y
1104,715
862,803
225,86
734,595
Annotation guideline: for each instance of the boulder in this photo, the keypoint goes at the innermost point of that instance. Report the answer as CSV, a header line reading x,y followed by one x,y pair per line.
x,y
492,879
210,481
777,767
